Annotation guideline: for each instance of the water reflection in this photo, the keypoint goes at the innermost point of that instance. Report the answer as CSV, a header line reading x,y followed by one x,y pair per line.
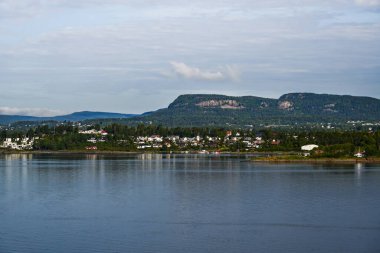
x,y
91,156
150,156
11,157
184,203
359,170
359,167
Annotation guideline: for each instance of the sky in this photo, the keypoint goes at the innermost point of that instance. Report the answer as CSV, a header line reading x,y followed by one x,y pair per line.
x,y
133,56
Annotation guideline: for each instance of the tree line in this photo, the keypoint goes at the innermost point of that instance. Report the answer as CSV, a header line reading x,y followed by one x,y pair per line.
x,y
333,143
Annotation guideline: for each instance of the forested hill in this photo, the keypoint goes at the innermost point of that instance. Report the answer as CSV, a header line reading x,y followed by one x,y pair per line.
x,y
292,108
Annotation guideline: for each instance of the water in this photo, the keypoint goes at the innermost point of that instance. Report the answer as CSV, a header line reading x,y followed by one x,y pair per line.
x,y
185,203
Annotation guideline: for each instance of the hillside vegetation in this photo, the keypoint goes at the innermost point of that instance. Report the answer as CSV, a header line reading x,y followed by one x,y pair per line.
x,y
292,108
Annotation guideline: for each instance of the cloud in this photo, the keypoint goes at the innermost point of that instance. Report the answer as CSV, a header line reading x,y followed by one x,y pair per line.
x,y
233,73
72,48
195,73
43,112
368,3
187,72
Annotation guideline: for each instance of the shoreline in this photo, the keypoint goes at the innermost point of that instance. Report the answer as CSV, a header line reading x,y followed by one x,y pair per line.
x,y
135,152
258,159
318,160
65,152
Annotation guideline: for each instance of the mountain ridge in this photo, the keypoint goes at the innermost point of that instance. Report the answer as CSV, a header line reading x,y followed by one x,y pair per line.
x,y
290,108
76,116
221,110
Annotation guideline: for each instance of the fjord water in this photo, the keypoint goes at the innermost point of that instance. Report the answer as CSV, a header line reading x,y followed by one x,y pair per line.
x,y
185,203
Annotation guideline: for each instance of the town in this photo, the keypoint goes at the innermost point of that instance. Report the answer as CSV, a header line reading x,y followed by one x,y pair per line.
x,y
149,138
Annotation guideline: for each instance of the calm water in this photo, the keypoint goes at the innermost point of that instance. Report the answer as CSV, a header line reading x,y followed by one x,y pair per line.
x,y
185,203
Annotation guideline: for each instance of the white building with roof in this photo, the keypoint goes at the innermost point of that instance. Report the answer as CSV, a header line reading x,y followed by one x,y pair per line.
x,y
309,147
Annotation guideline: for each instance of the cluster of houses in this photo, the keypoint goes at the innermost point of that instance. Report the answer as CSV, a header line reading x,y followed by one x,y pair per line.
x,y
197,142
94,132
100,136
18,143
174,141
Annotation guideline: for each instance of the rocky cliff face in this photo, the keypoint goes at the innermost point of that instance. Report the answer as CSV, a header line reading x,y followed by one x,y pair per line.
x,y
224,104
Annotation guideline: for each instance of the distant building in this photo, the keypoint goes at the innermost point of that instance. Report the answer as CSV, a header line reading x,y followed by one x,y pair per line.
x,y
309,147
92,140
359,154
93,131
18,143
102,132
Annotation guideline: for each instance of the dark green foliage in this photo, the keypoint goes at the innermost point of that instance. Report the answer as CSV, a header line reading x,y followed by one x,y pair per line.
x,y
337,151
292,109
3,135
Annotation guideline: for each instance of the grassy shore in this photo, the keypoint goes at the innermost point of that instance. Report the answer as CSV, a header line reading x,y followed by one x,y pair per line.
x,y
264,157
68,152
301,159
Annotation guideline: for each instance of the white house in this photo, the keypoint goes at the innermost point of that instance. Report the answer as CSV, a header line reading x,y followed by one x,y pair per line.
x,y
309,147
92,140
359,154
18,144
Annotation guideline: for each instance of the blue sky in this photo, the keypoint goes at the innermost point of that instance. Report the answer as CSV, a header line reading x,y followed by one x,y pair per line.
x,y
60,56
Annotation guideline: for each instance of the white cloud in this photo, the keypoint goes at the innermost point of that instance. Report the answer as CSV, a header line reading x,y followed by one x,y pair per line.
x,y
185,71
43,112
369,3
195,73
233,73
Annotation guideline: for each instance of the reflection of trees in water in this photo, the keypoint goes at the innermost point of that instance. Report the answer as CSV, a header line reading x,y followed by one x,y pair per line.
x,y
91,156
9,157
149,156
